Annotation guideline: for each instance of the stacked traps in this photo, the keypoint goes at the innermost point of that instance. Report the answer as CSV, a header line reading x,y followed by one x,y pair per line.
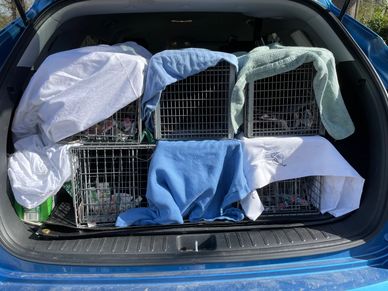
x,y
122,127
107,180
110,168
284,105
197,107
292,197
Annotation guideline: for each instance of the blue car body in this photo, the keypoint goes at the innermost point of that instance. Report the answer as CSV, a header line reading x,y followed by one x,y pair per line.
x,y
363,267
371,43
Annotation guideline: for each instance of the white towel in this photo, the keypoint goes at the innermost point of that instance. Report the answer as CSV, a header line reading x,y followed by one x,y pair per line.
x,y
73,90
70,92
271,159
252,205
36,171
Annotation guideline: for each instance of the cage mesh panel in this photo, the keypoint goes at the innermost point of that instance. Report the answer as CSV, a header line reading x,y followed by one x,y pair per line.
x,y
284,105
122,127
109,180
198,106
292,197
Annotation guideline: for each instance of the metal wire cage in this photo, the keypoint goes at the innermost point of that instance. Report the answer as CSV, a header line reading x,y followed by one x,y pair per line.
x,y
283,105
300,196
108,180
197,107
122,127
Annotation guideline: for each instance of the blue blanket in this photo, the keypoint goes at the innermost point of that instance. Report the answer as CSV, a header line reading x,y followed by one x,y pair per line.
x,y
170,66
198,180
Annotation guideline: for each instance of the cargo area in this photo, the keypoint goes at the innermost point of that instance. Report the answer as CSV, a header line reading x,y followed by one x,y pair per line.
x,y
112,158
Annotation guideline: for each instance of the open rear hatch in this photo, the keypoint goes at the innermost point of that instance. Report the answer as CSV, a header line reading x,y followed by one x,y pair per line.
x,y
291,225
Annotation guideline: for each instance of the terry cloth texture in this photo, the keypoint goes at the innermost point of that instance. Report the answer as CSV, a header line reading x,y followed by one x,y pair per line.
x,y
267,61
170,66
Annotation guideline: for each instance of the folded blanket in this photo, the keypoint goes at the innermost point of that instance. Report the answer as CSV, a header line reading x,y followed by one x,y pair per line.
x,y
73,90
170,66
199,180
70,92
271,159
263,62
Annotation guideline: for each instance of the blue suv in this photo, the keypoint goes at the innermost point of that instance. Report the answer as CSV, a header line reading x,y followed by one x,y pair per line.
x,y
288,253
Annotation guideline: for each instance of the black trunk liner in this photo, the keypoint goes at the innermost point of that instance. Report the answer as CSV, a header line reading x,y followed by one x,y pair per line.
x,y
61,224
167,249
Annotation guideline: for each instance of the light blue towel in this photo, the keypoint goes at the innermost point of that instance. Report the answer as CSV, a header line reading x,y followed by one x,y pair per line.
x,y
170,66
263,62
195,179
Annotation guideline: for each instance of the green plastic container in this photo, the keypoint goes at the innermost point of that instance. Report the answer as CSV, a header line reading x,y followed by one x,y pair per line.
x,y
37,214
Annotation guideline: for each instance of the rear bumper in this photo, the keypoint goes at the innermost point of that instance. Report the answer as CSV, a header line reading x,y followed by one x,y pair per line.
x,y
360,267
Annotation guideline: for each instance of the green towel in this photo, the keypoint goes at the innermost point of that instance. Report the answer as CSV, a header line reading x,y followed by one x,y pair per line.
x,y
267,61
